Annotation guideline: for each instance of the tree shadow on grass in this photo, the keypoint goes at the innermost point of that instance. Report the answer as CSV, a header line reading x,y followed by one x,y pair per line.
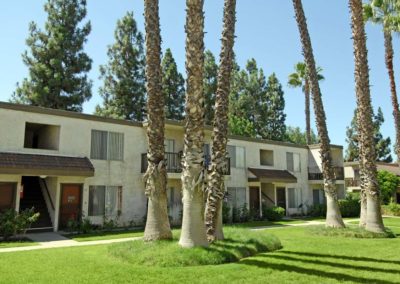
x,y
312,272
354,258
332,264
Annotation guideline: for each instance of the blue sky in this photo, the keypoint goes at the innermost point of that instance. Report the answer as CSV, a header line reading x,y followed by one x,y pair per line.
x,y
266,30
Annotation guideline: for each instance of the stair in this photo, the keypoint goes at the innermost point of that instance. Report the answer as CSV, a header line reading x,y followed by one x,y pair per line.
x,y
33,197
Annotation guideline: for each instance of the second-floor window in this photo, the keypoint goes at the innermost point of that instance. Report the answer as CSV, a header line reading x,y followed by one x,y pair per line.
x,y
236,154
293,162
169,145
266,157
107,145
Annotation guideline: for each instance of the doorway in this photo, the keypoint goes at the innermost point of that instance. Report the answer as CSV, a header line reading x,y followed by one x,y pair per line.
x,y
254,199
70,205
7,195
281,197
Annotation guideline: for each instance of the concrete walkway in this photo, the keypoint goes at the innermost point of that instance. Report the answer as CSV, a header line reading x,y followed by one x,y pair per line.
x,y
54,240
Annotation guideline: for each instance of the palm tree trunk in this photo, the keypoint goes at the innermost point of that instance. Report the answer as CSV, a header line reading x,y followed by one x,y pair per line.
x,y
374,220
333,216
215,185
307,111
157,224
389,65
193,227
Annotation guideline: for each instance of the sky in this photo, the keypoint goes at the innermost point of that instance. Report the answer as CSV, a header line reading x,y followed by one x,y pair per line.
x,y
265,30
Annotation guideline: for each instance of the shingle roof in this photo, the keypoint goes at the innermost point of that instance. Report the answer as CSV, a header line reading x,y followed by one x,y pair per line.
x,y
28,164
273,175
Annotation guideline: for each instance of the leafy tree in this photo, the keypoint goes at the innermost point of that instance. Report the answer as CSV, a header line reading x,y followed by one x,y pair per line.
x,y
123,89
57,64
388,183
210,76
382,145
241,126
173,86
297,136
271,122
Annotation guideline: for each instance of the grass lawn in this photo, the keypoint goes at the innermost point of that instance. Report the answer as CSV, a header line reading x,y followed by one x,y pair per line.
x,y
305,258
20,243
96,236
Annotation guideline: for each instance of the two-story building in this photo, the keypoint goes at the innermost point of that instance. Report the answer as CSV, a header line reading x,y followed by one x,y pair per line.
x,y
68,165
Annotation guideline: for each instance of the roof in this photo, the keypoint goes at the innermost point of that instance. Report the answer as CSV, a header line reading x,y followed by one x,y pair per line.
x,y
34,164
381,166
272,175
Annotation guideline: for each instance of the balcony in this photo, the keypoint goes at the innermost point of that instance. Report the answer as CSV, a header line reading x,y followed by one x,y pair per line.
x,y
353,183
174,165
315,174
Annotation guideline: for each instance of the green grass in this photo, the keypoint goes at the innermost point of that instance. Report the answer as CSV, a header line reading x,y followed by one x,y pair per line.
x,y
349,232
304,258
97,236
239,243
19,243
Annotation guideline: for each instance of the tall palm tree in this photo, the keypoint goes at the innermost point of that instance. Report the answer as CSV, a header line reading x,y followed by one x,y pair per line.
x,y
333,216
374,220
385,12
193,227
299,79
215,184
157,224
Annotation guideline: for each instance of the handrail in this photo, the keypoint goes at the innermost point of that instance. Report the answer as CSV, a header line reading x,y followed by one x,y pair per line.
x,y
48,193
266,196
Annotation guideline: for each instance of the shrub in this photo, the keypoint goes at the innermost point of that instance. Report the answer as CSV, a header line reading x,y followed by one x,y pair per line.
x,y
226,210
274,213
388,183
86,226
109,224
392,209
244,214
350,207
317,210
13,223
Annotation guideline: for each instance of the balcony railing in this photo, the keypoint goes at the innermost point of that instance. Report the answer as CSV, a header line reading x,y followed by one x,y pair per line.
x,y
315,174
174,165
353,183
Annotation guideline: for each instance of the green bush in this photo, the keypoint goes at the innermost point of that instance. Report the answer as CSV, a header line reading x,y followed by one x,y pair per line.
x,y
393,209
13,223
317,210
388,183
274,213
226,213
350,207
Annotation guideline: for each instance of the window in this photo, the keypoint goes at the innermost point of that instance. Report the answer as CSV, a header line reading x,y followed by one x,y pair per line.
x,y
266,157
236,196
293,162
7,196
169,145
105,200
236,155
318,196
41,136
292,198
107,145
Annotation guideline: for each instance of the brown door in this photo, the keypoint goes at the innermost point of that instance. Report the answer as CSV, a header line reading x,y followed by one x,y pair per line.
x,y
281,197
254,198
71,201
7,196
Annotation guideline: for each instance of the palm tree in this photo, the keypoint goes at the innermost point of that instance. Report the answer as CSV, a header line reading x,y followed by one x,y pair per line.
x,y
215,184
193,227
333,216
385,12
157,224
374,220
299,79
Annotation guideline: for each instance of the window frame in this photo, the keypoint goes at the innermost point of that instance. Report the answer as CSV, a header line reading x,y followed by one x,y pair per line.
x,y
109,154
104,211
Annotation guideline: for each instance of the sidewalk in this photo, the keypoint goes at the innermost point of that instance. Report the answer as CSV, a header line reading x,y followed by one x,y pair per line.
x,y
54,240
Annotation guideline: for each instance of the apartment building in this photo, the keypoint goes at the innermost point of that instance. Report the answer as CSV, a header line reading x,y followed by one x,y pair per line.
x,y
68,165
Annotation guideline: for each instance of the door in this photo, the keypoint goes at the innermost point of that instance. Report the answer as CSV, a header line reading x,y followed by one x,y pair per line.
x,y
398,197
281,197
255,198
71,201
7,196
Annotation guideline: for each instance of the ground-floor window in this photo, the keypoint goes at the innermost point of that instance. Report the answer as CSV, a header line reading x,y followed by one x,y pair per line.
x,y
318,196
105,200
7,195
292,198
236,196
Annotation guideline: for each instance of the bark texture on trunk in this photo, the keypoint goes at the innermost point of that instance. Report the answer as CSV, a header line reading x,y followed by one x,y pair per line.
x,y
389,65
157,224
307,111
374,220
215,178
333,216
193,227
